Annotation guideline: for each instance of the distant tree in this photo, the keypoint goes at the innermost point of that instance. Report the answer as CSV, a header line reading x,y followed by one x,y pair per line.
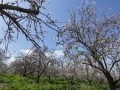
x,y
16,67
95,38
34,63
69,71
53,68
3,58
40,62
27,20
89,74
99,77
21,65
3,55
3,67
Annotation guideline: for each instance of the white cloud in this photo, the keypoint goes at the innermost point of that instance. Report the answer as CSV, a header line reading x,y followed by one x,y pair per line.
x,y
11,60
22,51
56,53
47,54
26,51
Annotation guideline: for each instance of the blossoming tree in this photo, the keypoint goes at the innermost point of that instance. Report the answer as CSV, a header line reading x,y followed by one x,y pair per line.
x,y
26,17
95,39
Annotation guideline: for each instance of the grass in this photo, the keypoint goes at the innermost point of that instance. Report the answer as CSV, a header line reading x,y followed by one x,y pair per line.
x,y
17,82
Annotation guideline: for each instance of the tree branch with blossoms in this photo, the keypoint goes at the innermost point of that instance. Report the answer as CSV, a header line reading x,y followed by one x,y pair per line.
x,y
25,20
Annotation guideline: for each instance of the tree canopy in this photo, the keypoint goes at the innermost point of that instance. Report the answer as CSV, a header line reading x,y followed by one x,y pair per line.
x,y
25,20
94,40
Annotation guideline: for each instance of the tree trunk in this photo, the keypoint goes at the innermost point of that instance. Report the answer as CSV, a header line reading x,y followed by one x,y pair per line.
x,y
89,81
49,77
71,82
38,79
24,75
112,85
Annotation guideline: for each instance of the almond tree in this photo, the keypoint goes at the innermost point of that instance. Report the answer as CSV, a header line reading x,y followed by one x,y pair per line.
x,y
3,57
99,77
40,61
53,66
69,71
22,65
89,74
28,20
95,39
52,69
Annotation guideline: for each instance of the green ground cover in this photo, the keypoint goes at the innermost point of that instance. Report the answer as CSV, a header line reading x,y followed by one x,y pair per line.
x,y
17,82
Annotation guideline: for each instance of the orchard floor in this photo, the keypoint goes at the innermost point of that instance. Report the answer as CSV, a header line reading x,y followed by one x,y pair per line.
x,y
17,82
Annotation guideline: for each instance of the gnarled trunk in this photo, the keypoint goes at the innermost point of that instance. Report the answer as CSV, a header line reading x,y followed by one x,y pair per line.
x,y
112,84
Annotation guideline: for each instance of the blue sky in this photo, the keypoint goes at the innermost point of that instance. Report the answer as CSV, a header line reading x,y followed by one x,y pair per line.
x,y
59,11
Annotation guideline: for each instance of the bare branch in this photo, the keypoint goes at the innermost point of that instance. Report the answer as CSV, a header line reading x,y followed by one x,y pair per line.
x,y
114,64
20,9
